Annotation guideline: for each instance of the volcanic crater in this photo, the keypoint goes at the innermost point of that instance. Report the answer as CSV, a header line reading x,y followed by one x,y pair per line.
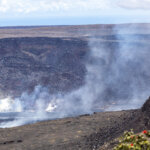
x,y
54,57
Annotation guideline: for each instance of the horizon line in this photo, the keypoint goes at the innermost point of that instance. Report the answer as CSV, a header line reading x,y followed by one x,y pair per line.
x,y
34,26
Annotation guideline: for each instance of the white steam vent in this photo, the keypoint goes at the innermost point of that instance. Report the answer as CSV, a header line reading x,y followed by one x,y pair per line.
x,y
10,105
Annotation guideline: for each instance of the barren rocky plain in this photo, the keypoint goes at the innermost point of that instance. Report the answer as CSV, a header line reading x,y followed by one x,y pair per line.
x,y
27,59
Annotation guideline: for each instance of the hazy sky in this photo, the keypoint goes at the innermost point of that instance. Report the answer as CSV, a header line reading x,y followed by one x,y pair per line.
x,y
59,12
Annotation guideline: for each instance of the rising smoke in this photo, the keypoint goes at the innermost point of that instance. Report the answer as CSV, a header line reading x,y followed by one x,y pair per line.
x,y
118,77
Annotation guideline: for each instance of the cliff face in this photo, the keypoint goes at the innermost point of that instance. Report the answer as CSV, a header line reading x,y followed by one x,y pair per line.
x,y
53,62
55,56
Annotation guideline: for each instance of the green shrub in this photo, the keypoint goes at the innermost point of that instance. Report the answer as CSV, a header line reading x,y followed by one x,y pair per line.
x,y
131,141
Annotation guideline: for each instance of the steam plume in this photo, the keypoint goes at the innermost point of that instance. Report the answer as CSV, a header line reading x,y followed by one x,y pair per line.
x,y
118,76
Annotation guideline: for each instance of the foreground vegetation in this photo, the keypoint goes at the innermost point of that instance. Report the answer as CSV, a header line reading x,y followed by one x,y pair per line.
x,y
131,141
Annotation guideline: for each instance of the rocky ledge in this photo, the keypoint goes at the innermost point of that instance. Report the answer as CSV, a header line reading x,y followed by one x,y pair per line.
x,y
88,132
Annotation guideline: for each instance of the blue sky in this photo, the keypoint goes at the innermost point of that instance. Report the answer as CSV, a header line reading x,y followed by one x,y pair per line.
x,y
67,12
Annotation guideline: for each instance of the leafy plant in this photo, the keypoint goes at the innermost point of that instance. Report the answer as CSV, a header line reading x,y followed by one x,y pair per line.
x,y
131,141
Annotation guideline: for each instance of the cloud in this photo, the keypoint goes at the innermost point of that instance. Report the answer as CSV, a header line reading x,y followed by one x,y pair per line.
x,y
32,6
134,4
105,11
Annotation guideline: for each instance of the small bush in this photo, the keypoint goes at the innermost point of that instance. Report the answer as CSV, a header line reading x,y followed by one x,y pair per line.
x,y
131,141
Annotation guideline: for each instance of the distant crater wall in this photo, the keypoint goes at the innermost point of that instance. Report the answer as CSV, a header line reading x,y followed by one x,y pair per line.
x,y
57,63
